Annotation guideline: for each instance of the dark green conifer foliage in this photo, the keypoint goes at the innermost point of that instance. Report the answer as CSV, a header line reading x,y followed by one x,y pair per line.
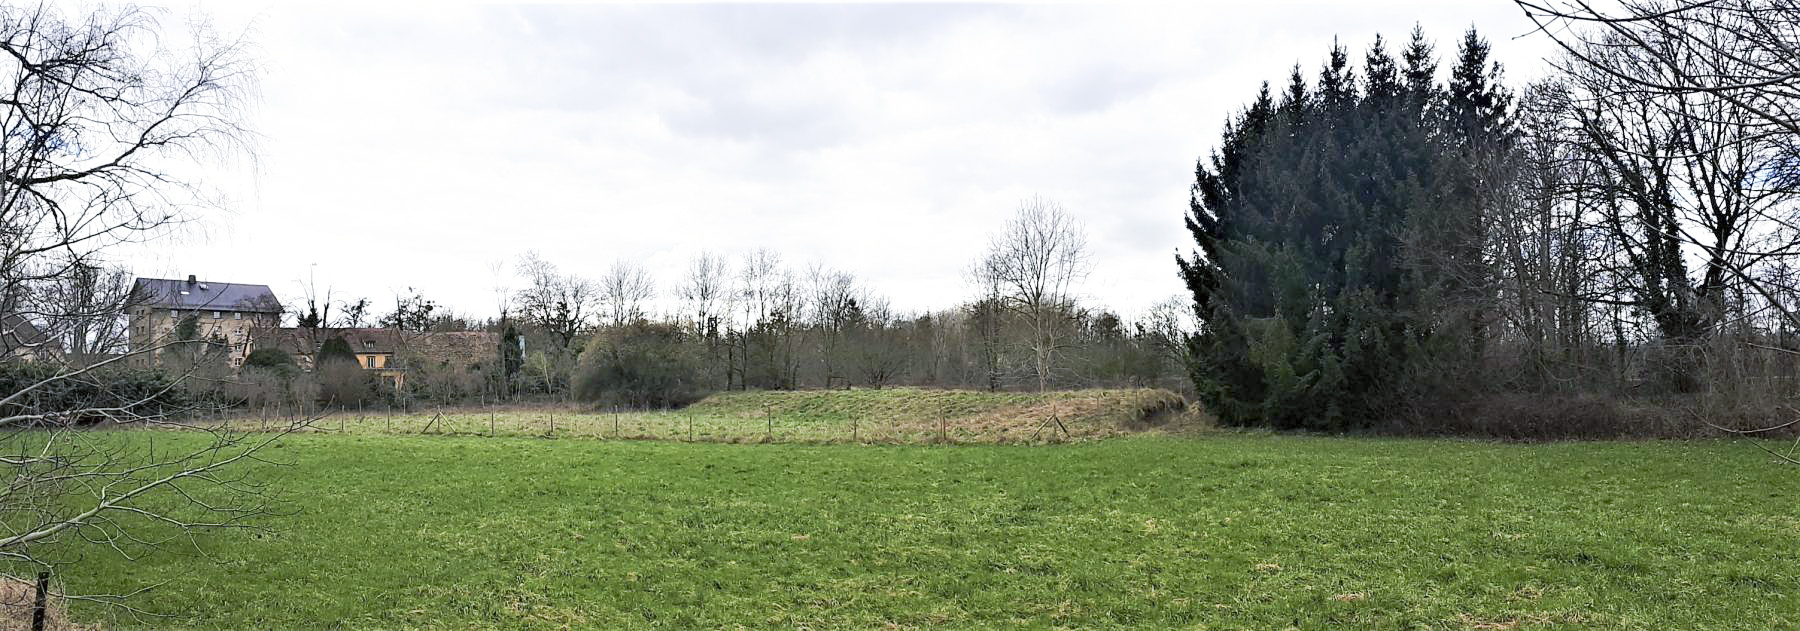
x,y
1318,299
336,349
512,356
273,362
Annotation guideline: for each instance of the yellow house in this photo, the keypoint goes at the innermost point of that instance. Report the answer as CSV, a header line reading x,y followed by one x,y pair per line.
x,y
374,350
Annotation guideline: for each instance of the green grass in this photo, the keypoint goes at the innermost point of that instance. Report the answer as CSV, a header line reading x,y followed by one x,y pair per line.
x,y
1224,531
887,416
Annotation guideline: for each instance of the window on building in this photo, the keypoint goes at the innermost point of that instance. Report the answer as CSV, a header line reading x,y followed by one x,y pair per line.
x,y
369,344
218,315
237,315
174,313
371,361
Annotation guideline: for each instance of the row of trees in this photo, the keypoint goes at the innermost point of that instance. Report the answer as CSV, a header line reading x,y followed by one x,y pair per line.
x,y
758,323
1378,245
749,323
755,322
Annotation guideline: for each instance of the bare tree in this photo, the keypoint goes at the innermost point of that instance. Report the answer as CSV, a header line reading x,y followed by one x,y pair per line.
x,y
704,293
98,114
877,341
788,308
1550,255
1689,177
1744,52
624,290
84,309
759,278
770,302
706,301
413,313
1165,329
354,314
561,305
986,319
502,291
837,305
1035,263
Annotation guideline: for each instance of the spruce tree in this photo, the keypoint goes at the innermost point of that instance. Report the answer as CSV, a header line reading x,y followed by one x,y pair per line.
x,y
1322,227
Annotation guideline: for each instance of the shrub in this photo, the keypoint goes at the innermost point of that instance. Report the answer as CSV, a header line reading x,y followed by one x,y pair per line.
x,y
344,384
335,350
441,382
273,361
138,391
642,364
1536,416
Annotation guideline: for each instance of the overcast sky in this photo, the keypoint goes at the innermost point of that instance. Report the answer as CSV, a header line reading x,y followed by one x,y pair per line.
x,y
415,146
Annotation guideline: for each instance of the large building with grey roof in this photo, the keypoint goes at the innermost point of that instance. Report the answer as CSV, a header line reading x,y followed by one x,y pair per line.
x,y
231,314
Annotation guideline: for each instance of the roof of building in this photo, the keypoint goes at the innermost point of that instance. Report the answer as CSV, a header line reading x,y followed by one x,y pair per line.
x,y
460,347
361,340
19,334
204,295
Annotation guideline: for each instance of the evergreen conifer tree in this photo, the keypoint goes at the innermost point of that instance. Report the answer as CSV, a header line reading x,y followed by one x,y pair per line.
x,y
1329,230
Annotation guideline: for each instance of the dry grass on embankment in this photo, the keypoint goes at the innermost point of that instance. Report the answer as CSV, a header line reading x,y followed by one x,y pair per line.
x,y
18,600
885,416
911,415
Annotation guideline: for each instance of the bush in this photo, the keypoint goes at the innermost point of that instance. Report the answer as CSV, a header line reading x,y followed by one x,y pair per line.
x,y
1537,416
138,391
346,385
441,382
335,350
642,364
273,361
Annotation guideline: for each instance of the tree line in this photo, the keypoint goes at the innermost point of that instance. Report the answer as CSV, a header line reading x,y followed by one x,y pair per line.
x,y
756,322
746,322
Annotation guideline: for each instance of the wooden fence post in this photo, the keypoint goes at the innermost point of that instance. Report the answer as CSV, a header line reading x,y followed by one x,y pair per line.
x,y
43,594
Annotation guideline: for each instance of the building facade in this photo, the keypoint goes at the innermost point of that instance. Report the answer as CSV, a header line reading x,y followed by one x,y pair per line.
x,y
229,317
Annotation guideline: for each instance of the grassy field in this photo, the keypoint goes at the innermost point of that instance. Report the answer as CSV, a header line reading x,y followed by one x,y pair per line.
x,y
1222,531
887,416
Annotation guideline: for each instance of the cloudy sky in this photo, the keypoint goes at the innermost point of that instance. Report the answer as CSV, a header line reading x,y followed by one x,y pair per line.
x,y
419,145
